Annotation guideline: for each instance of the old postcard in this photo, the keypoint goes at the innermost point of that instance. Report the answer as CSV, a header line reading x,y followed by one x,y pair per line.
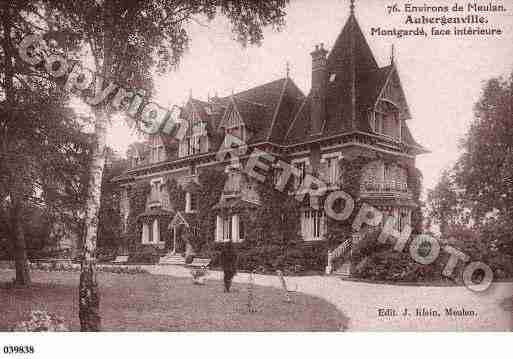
x,y
255,166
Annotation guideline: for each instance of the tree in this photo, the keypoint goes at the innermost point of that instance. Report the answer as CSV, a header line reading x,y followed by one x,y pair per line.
x,y
444,203
127,40
38,131
110,219
485,168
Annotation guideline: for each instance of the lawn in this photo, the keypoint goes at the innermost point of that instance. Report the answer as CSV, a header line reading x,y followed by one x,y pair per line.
x,y
145,302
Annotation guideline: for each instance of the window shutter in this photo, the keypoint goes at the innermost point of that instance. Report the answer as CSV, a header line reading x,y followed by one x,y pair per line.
x,y
219,229
235,228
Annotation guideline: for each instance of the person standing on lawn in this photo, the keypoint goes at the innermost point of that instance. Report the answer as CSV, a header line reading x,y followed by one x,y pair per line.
x,y
229,264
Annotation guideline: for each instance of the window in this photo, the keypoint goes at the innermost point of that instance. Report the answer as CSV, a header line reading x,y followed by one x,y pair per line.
x,y
313,224
239,131
241,229
378,124
145,234
230,228
195,140
386,120
227,229
276,175
155,193
191,202
301,166
155,233
332,175
157,150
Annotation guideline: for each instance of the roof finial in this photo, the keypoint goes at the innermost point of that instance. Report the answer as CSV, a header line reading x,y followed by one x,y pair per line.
x,y
351,7
392,55
288,69
190,92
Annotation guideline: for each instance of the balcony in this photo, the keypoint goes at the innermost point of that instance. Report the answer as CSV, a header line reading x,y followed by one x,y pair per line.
x,y
154,200
384,189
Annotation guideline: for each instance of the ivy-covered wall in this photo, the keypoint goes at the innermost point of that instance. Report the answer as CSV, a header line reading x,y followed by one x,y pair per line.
x,y
211,184
351,172
137,196
272,229
415,186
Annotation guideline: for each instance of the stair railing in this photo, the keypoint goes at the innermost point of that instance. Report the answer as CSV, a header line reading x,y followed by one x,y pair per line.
x,y
338,252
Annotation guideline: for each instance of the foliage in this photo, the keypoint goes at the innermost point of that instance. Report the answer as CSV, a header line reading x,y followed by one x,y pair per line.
x,y
415,186
485,169
41,321
137,195
389,265
303,258
44,151
176,194
444,203
209,193
261,258
109,225
483,174
338,231
276,221
144,254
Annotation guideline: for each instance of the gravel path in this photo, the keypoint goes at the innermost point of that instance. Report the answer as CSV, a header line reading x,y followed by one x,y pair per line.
x,y
361,302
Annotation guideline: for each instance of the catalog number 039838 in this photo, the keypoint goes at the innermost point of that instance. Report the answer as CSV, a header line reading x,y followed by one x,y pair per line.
x,y
18,349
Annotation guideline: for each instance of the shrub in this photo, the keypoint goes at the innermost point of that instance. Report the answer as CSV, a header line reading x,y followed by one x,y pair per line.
x,y
212,253
189,258
395,266
262,259
41,321
106,254
144,255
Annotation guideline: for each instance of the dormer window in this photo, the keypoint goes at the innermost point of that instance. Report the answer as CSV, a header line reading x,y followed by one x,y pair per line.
x,y
301,165
195,139
156,193
386,120
233,125
239,131
158,153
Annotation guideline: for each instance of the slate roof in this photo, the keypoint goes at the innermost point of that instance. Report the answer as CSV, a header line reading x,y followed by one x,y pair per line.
x,y
279,111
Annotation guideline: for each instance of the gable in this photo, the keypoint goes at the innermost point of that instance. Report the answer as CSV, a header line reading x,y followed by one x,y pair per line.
x,y
231,118
291,100
393,92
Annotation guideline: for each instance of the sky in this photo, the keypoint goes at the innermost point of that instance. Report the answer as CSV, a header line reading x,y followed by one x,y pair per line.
x,y
442,76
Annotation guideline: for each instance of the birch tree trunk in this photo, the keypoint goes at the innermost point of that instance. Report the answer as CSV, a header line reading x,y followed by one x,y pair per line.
x,y
89,296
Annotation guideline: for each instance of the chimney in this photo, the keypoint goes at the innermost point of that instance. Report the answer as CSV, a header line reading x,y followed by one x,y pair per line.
x,y
319,82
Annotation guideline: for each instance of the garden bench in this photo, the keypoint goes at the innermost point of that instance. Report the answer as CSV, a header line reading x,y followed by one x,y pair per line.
x,y
53,261
120,260
200,263
199,269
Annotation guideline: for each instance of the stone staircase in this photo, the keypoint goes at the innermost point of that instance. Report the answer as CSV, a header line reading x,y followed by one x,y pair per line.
x,y
172,259
344,270
338,254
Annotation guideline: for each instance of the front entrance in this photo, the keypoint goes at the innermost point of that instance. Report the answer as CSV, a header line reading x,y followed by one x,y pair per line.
x,y
181,228
178,244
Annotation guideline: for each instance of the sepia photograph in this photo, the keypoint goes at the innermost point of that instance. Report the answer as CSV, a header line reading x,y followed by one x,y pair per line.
x,y
255,166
